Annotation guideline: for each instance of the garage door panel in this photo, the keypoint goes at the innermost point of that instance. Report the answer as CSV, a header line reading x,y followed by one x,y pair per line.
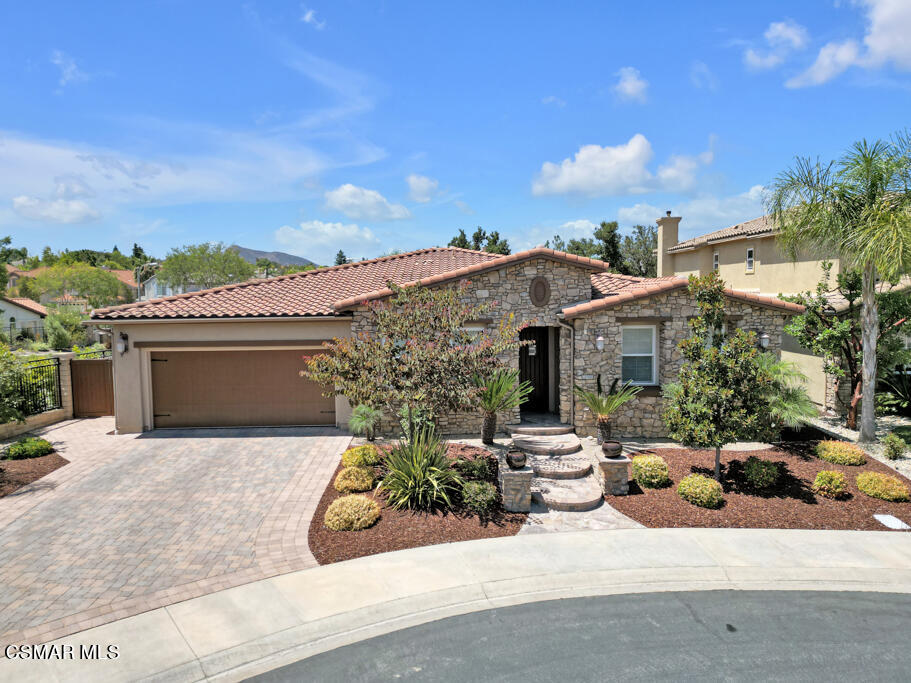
x,y
235,388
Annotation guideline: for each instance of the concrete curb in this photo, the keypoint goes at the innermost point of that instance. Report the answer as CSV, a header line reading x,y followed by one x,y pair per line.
x,y
242,631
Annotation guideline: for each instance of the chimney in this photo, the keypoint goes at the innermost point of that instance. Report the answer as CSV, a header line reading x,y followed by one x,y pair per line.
x,y
667,238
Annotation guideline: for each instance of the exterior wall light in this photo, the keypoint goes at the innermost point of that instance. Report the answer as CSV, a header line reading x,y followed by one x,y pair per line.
x,y
599,343
124,344
764,340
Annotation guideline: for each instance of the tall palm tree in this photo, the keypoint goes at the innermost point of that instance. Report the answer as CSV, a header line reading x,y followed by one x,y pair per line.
x,y
858,207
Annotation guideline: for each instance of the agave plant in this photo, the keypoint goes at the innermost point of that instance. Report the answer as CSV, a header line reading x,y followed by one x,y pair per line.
x,y
501,391
364,419
420,476
604,405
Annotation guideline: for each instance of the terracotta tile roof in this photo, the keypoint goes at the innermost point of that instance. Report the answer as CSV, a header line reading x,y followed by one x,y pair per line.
x,y
308,293
758,226
125,276
13,269
840,303
27,304
468,271
615,290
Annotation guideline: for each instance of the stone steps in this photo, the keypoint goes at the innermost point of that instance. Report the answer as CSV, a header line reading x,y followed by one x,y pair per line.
x,y
567,495
548,444
560,466
541,430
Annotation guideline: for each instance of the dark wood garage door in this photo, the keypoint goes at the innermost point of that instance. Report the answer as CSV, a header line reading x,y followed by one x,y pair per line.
x,y
235,389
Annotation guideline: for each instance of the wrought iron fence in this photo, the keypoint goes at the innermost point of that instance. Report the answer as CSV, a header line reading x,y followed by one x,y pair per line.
x,y
40,387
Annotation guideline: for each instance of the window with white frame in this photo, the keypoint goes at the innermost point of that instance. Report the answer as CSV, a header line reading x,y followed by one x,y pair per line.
x,y
715,261
750,260
640,361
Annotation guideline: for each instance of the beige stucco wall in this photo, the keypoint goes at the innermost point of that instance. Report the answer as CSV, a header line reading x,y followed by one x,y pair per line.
x,y
810,365
132,370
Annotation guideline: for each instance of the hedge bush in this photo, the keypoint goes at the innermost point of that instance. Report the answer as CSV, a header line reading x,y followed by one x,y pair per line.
x,y
351,513
893,446
479,496
362,456
28,447
477,469
830,484
354,479
700,490
882,486
759,473
650,471
841,453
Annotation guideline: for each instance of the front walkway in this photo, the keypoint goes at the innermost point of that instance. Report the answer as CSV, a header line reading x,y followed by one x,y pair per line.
x,y
236,633
138,522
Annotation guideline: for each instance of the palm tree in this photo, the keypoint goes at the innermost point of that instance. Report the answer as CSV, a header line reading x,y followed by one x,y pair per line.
x,y
858,207
501,391
789,403
604,405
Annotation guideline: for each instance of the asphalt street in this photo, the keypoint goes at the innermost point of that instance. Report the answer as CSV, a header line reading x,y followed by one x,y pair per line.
x,y
706,635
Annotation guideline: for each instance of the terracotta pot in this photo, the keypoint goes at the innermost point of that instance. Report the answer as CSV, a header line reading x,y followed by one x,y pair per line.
x,y
515,460
612,449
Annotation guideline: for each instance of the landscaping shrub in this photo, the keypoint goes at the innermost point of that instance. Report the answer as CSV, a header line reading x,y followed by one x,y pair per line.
x,y
831,484
420,475
841,453
893,446
650,471
477,469
28,447
351,513
882,486
759,473
362,456
700,490
479,496
354,479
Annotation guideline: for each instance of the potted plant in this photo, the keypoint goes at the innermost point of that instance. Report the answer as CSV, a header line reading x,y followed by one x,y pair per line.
x,y
603,406
498,392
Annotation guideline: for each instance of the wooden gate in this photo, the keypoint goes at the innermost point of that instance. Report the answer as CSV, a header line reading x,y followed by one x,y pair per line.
x,y
93,387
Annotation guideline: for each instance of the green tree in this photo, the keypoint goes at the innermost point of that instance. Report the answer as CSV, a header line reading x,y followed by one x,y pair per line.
x,y
721,394
556,243
81,280
48,257
496,245
340,258
11,376
421,357
858,207
837,338
266,267
638,251
481,241
204,265
608,234
460,240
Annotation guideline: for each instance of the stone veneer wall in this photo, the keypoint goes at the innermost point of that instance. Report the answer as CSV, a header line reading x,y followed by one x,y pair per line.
x,y
670,313
837,402
507,291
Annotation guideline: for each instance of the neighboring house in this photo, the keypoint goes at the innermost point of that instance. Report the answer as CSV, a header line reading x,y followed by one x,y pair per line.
x,y
155,289
69,298
18,313
12,275
233,355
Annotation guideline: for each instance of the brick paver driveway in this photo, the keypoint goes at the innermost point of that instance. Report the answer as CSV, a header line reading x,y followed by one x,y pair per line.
x,y
138,522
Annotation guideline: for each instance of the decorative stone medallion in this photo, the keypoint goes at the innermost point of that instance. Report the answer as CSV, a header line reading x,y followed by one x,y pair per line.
x,y
539,291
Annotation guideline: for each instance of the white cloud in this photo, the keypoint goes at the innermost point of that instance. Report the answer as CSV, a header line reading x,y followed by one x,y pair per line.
x,y
619,170
702,214
702,77
554,100
885,42
421,188
309,17
630,86
782,38
463,207
581,227
358,202
69,72
320,241
54,210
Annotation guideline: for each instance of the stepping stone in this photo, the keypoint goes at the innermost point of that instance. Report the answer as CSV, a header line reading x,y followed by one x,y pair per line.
x,y
554,444
567,495
541,430
560,466
891,521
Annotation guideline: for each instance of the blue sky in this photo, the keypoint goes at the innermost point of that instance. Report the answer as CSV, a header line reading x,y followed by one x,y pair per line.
x,y
371,126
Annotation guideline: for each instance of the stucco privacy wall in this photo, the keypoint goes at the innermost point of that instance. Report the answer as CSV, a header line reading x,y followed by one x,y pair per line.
x,y
507,290
670,314
133,404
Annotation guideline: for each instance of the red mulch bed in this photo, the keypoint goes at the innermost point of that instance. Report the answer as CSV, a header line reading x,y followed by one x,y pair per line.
x,y
401,529
14,474
791,504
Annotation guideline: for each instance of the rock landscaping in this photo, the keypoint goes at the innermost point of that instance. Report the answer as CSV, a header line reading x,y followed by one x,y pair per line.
x,y
378,527
807,492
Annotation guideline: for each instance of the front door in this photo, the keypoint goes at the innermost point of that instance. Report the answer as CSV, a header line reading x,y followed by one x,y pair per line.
x,y
533,367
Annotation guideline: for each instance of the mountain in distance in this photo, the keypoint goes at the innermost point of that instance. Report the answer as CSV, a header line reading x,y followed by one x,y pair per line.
x,y
279,257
